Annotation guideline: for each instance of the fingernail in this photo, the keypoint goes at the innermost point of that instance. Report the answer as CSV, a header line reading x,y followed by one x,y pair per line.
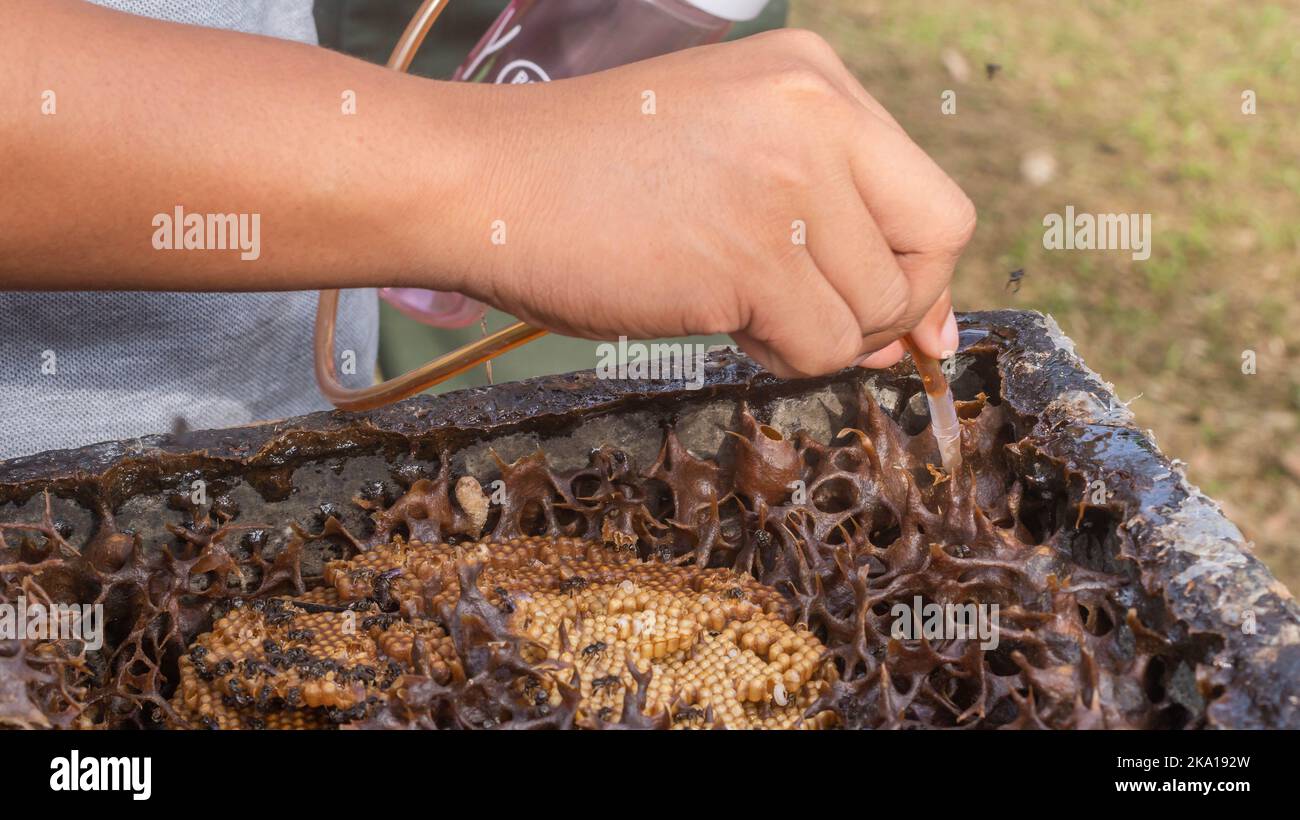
x,y
950,338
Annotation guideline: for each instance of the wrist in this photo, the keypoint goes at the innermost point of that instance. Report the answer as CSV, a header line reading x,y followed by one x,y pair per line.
x,y
456,167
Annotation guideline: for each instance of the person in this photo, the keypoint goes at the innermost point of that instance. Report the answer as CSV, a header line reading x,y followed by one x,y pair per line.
x,y
769,197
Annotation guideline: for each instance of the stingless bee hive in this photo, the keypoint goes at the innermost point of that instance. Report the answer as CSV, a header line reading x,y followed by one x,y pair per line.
x,y
576,552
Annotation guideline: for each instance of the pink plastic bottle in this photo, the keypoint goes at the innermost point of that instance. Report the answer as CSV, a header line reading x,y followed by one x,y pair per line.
x,y
541,40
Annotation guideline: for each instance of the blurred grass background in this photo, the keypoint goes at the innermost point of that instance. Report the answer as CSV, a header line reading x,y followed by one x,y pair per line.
x,y
1119,106
1112,106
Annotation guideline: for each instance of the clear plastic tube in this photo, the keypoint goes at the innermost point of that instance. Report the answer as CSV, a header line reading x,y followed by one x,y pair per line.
x,y
943,412
408,384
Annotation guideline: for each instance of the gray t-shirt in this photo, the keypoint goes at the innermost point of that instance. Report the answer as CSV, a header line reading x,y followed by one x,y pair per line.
x,y
79,368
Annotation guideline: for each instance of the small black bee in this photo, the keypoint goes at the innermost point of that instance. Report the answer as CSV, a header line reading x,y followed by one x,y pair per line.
x,y
336,715
197,656
507,604
607,682
391,673
1013,282
314,670
382,589
593,650
575,584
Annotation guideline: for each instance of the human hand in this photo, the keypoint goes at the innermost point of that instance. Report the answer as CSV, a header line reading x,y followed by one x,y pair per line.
x,y
687,220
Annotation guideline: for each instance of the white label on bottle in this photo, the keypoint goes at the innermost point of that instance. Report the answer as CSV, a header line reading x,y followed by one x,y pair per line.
x,y
522,71
496,42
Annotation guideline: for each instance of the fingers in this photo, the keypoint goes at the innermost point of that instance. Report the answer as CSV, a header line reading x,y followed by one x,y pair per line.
x,y
890,294
918,206
936,333
800,324
762,354
814,48
924,218
798,327
851,253
887,356
922,214
885,226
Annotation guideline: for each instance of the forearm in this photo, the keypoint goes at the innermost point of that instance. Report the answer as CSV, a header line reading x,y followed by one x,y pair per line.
x,y
148,116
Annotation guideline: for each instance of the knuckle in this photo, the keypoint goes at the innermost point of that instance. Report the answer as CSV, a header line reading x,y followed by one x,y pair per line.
x,y
805,42
786,174
803,83
784,168
797,76
963,223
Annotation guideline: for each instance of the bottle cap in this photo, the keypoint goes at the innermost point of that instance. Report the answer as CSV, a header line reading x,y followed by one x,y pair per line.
x,y
734,10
